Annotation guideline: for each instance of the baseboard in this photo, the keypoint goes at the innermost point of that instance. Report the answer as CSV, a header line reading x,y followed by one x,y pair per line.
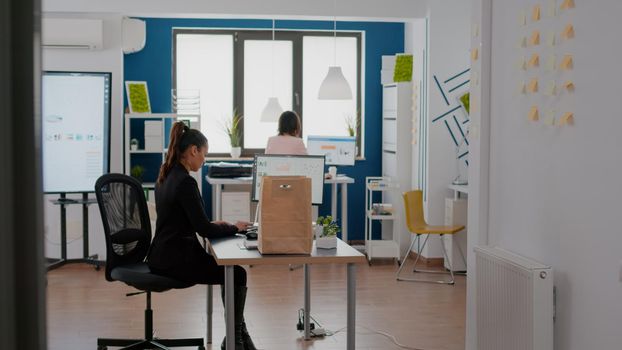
x,y
429,262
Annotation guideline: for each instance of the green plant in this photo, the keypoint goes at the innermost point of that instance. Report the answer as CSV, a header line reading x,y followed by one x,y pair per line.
x,y
330,227
137,172
465,100
231,127
352,123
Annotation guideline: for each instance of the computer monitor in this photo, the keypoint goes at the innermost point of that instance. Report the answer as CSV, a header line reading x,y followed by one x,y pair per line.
x,y
289,165
338,150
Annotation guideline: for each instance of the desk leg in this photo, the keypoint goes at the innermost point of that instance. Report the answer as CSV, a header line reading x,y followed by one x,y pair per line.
x,y
210,311
344,212
229,308
333,201
218,206
85,226
307,308
351,306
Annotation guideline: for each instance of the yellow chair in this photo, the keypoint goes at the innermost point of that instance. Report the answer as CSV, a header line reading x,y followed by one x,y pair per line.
x,y
413,208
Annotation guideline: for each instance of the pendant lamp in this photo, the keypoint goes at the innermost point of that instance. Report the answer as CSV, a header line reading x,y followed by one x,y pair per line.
x,y
272,111
335,86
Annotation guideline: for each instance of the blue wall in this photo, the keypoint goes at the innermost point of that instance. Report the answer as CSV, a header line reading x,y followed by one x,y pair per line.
x,y
154,65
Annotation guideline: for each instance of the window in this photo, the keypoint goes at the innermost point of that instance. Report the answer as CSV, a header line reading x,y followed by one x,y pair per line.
x,y
242,69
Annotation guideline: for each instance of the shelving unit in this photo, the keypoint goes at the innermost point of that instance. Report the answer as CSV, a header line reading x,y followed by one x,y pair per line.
x,y
385,247
151,159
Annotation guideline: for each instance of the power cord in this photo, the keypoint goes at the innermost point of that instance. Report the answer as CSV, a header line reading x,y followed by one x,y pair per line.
x,y
374,331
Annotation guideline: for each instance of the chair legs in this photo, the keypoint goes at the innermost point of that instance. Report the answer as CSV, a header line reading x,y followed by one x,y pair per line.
x,y
419,250
149,342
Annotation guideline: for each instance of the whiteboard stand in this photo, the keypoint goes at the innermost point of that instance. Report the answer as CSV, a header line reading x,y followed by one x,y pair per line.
x,y
63,201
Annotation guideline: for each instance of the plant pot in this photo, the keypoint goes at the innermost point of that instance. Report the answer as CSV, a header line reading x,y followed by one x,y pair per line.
x,y
235,152
326,242
318,231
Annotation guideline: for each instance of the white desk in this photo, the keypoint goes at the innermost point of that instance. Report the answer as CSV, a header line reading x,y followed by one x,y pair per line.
x,y
227,252
218,183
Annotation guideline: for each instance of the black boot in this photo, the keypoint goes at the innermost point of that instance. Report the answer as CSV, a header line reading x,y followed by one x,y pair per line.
x,y
243,340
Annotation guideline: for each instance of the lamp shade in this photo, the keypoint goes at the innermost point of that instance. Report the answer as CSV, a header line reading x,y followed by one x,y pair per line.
x,y
271,111
335,86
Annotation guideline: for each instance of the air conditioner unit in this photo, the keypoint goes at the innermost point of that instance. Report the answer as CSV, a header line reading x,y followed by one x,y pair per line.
x,y
69,33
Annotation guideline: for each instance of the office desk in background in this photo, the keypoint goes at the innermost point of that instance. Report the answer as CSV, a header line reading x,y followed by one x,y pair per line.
x,y
228,253
218,183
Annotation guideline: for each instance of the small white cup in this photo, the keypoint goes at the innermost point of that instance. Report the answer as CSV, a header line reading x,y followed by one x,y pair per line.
x,y
332,171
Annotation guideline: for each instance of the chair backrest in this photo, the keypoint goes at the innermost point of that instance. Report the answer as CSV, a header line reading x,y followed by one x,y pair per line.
x,y
413,207
125,216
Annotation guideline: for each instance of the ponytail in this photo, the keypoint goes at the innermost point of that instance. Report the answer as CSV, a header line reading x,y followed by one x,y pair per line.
x,y
181,138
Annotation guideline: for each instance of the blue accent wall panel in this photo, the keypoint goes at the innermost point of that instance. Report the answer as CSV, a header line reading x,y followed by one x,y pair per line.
x,y
154,65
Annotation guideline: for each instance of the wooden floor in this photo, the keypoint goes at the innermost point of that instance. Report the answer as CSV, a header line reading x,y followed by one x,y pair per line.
x,y
82,305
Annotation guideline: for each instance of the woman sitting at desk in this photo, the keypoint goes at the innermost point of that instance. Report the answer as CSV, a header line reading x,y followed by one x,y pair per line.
x,y
288,140
175,250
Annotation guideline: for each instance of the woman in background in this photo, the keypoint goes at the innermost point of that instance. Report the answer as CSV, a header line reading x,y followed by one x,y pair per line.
x,y
288,140
175,250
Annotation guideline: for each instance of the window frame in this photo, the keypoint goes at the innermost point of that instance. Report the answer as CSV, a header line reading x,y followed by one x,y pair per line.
x,y
294,35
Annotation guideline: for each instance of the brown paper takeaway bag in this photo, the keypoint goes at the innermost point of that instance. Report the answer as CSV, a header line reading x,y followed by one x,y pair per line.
x,y
285,215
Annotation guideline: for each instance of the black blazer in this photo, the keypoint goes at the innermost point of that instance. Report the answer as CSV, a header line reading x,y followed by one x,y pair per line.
x,y
181,214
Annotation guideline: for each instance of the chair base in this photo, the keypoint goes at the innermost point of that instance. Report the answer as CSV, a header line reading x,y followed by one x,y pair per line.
x,y
141,344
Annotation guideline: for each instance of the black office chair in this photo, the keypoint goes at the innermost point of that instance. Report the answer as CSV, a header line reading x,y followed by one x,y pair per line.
x,y
127,227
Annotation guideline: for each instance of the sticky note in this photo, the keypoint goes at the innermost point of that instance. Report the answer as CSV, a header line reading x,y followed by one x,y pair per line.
x,y
474,54
550,39
522,42
521,87
533,85
534,61
551,88
475,30
522,18
569,85
550,63
533,114
566,63
522,63
567,119
568,32
535,13
567,4
549,117
551,9
535,38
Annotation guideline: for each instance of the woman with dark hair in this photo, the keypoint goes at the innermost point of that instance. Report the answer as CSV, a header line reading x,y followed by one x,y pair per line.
x,y
175,250
288,140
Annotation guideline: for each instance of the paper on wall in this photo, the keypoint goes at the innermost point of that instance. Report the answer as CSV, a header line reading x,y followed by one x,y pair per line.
x,y
550,39
569,85
566,119
534,61
535,38
568,32
551,88
533,114
550,63
535,13
533,85
567,4
566,63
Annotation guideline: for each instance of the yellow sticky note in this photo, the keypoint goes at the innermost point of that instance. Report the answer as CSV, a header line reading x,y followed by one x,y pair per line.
x,y
549,117
568,32
550,63
474,54
522,42
551,8
535,13
533,114
533,85
535,38
566,63
534,61
567,4
569,85
522,18
567,119
551,88
550,39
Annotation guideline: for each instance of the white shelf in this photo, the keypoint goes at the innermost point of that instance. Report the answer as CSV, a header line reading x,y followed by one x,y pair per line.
x,y
380,216
382,249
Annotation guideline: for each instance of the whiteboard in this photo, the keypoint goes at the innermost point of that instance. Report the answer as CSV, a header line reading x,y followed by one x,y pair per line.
x,y
290,165
75,130
338,150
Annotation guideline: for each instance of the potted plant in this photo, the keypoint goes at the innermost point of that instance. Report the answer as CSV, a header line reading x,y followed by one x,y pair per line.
x,y
232,129
326,233
137,172
352,126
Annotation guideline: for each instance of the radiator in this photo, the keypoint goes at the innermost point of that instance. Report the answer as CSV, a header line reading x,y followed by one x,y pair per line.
x,y
515,301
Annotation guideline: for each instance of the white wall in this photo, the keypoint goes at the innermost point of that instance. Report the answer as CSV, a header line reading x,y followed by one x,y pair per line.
x,y
555,191
449,42
110,59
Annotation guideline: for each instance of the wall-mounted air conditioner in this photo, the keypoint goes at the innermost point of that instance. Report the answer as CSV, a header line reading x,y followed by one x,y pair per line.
x,y
69,33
